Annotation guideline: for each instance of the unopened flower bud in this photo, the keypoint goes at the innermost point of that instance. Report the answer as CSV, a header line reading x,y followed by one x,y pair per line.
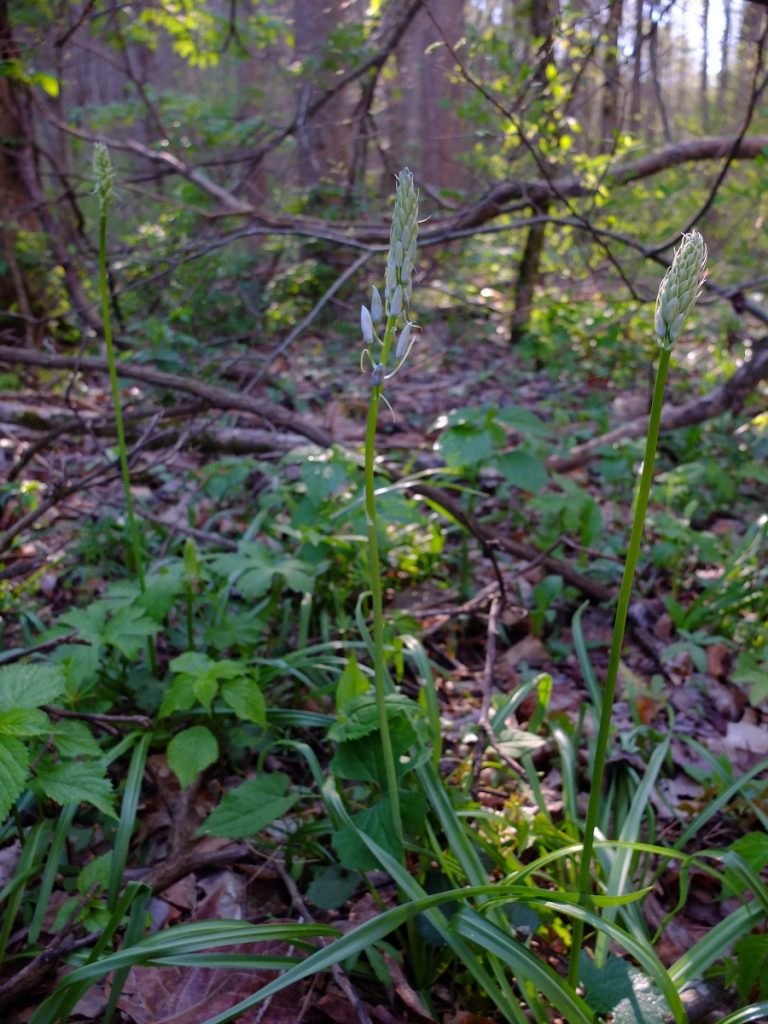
x,y
396,302
104,175
376,307
403,343
366,325
680,288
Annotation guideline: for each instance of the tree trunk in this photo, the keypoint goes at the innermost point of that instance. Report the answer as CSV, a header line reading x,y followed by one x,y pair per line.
x,y
322,138
636,103
527,278
542,26
17,293
653,49
725,57
704,87
611,109
441,130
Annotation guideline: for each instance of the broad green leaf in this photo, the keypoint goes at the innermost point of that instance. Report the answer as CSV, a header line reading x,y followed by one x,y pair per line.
x,y
72,782
191,751
162,593
517,742
88,622
95,873
622,991
332,886
179,696
75,739
353,683
523,469
363,759
14,766
205,689
360,716
752,962
128,630
376,823
246,810
29,686
24,722
245,698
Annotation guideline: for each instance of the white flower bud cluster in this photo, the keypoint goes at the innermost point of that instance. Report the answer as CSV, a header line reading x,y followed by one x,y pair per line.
x,y
397,287
680,288
402,245
104,176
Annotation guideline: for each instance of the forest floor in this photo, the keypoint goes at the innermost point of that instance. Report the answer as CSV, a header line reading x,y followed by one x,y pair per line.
x,y
481,648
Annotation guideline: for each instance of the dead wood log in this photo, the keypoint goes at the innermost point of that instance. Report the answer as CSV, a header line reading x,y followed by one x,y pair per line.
x,y
727,397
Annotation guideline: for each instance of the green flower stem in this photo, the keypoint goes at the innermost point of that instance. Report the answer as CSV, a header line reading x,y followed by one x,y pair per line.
x,y
121,445
374,572
609,690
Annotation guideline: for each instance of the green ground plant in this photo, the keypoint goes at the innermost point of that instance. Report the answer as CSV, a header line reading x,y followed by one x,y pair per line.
x,y
277,645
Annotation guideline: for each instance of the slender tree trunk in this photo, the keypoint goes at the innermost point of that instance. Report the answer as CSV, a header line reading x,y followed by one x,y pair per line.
x,y
542,26
653,49
528,278
322,139
704,89
636,102
611,107
725,57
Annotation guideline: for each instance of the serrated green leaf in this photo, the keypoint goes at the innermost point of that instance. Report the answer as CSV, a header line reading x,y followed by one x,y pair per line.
x,y
205,689
162,593
73,782
24,722
128,630
246,810
191,751
245,698
75,739
29,686
14,766
360,716
179,696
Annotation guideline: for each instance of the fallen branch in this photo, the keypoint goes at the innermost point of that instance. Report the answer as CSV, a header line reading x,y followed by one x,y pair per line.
x,y
727,397
222,398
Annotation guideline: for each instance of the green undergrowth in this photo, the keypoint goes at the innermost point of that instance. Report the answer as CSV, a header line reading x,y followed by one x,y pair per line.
x,y
244,648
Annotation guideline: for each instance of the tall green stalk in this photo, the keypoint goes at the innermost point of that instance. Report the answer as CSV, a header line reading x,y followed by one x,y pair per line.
x,y
105,176
384,365
374,572
677,296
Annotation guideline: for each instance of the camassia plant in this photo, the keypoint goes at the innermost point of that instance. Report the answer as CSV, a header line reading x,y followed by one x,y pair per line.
x,y
474,889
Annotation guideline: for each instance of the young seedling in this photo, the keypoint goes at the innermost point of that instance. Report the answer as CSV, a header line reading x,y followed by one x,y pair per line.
x,y
677,296
384,356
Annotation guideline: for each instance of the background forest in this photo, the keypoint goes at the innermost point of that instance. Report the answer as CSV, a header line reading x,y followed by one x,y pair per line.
x,y
397,663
